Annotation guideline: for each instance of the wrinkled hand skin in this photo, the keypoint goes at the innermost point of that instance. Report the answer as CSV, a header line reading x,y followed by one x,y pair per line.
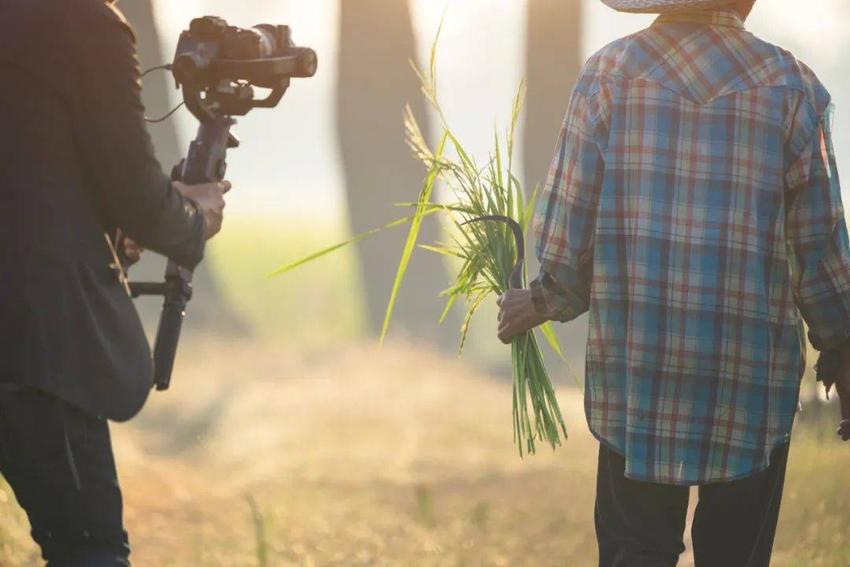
x,y
833,369
517,314
844,430
844,395
827,368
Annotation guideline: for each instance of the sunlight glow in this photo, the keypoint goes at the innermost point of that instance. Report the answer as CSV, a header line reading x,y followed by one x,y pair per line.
x,y
481,62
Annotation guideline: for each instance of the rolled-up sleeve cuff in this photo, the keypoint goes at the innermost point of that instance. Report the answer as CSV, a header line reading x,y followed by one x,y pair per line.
x,y
828,316
554,301
826,342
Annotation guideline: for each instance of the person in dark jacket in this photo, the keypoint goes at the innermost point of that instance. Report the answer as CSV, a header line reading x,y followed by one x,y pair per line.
x,y
76,163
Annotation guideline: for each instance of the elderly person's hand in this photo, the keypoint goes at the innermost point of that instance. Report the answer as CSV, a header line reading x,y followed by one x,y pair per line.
x,y
517,314
833,369
842,386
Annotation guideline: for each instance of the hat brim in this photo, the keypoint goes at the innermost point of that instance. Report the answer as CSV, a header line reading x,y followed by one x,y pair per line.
x,y
664,6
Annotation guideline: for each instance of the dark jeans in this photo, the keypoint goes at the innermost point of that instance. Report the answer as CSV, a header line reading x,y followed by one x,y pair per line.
x,y
58,460
641,524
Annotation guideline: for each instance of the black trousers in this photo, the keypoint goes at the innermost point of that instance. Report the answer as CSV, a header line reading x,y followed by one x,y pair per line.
x,y
58,461
641,524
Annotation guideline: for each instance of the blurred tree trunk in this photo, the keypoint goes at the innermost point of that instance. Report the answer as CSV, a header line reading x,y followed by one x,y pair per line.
x,y
208,310
553,61
375,82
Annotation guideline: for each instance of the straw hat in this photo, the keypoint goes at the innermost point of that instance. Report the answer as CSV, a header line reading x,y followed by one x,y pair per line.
x,y
662,6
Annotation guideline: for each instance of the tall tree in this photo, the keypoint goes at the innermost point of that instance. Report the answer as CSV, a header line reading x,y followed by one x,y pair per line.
x,y
375,82
209,309
553,61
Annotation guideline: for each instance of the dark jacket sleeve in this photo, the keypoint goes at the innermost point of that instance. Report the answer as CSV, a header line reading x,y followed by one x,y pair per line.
x,y
126,179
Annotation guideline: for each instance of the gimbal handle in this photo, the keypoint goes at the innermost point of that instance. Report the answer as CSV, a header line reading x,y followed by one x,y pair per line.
x,y
205,163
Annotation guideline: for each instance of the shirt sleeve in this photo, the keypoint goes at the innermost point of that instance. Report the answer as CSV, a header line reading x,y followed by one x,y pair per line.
x,y
565,218
126,180
817,232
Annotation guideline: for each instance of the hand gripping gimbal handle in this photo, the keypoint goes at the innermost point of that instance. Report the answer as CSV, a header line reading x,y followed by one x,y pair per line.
x,y
205,163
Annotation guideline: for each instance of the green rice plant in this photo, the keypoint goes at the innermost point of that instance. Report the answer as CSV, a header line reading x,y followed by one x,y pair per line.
x,y
425,505
488,252
259,531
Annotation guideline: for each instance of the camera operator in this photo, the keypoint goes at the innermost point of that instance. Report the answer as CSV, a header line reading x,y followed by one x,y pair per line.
x,y
76,163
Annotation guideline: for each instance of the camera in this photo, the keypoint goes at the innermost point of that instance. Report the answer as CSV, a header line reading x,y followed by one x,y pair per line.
x,y
218,66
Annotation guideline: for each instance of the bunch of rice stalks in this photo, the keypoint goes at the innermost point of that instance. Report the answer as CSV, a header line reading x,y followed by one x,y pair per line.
x,y
490,215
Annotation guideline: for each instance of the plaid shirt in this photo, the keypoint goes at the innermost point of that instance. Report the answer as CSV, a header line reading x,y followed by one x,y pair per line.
x,y
693,208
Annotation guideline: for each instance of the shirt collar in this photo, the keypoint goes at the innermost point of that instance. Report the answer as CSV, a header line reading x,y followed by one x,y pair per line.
x,y
722,17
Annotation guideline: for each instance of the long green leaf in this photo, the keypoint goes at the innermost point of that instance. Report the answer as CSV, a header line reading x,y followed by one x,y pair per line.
x,y
413,236
442,251
551,338
325,251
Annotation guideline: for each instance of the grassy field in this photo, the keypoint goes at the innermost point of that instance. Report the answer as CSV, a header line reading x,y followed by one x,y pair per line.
x,y
306,446
320,304
315,306
391,457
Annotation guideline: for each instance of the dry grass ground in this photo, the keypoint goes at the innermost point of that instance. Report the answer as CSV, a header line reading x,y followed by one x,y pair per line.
x,y
265,456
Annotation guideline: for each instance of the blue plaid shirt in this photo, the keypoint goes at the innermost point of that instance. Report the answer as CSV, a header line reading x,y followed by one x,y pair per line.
x,y
693,208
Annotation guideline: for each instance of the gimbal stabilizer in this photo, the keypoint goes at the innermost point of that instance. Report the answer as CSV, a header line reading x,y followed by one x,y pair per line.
x,y
217,66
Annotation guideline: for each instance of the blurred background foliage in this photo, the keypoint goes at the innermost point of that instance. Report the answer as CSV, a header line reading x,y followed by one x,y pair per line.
x,y
331,160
